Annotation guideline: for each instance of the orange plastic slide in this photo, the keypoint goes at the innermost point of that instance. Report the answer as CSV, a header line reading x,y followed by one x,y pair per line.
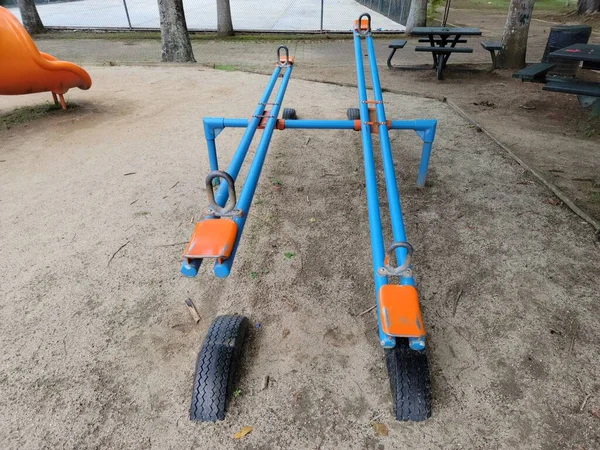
x,y
26,70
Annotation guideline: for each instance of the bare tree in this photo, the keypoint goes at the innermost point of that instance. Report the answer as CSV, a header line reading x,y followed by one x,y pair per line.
x,y
176,45
514,39
588,6
417,17
30,17
224,22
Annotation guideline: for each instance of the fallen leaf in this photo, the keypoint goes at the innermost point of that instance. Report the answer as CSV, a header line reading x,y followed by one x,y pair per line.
x,y
243,432
380,429
596,412
553,201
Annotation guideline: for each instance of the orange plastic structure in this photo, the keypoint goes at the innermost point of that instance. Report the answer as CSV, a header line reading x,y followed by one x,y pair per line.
x,y
212,238
26,70
399,311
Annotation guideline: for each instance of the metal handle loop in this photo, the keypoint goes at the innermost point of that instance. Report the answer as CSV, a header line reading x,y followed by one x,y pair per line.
x,y
287,56
404,269
359,29
228,209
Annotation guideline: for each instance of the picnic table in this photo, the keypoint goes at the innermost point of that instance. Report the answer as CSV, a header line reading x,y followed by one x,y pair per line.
x,y
587,92
588,53
442,43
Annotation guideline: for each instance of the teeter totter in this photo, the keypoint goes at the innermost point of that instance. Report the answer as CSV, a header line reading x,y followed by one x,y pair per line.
x,y
217,236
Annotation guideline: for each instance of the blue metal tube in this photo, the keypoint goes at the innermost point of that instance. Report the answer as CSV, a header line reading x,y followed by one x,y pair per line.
x,y
222,270
393,196
320,124
377,247
213,163
240,154
425,129
235,123
417,125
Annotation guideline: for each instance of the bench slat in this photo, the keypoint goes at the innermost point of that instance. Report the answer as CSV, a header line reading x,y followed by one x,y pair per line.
x,y
574,87
444,49
436,40
492,45
534,71
400,43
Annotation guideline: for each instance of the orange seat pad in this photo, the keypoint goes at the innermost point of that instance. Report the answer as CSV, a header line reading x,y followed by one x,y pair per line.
x,y
399,311
212,238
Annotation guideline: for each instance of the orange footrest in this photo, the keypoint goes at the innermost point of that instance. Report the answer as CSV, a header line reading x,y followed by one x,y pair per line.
x,y
212,238
399,311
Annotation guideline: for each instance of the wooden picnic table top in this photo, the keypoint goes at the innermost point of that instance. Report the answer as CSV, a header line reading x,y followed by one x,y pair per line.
x,y
579,52
445,31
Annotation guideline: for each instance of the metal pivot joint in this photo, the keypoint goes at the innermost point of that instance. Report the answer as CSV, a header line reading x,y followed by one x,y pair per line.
x,y
401,271
229,209
281,61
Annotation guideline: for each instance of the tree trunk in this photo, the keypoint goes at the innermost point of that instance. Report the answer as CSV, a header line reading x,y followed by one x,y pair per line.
x,y
417,17
176,45
224,22
588,6
30,17
514,39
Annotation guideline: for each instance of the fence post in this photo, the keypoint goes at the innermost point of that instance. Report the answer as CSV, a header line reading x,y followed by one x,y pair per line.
x,y
127,13
322,2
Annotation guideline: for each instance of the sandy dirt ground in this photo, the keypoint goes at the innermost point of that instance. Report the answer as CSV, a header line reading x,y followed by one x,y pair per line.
x,y
98,349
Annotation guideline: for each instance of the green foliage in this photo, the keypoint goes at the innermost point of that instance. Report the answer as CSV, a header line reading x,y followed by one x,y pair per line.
x,y
28,113
432,6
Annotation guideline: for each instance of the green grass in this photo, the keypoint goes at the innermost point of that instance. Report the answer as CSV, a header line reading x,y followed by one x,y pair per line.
x,y
540,5
28,113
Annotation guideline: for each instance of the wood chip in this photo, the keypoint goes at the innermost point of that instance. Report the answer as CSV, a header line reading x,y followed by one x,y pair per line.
x,y
367,310
380,429
585,400
265,383
192,309
243,432
456,303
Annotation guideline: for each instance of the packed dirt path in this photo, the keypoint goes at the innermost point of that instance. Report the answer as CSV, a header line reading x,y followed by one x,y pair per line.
x,y
98,349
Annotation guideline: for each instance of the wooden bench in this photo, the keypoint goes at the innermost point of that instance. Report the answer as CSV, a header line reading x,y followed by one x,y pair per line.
x,y
492,47
586,88
441,55
395,45
444,50
438,40
587,92
535,73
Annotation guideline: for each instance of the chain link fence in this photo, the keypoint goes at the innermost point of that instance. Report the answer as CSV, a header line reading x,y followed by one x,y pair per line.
x,y
201,15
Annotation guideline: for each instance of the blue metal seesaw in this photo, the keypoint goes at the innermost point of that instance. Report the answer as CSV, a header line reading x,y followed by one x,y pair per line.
x,y
217,236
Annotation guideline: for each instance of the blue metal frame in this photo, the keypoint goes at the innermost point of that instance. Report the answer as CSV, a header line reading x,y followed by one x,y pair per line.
x,y
425,129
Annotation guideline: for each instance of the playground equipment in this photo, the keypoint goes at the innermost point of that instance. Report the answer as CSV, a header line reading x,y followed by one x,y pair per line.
x,y
217,237
26,70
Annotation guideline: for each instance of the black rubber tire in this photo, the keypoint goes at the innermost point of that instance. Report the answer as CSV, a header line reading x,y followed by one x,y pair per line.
x,y
353,114
289,114
215,369
408,372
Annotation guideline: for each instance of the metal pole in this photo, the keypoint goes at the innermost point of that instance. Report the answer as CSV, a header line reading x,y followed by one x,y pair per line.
x,y
393,196
377,248
322,7
127,13
221,270
240,154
